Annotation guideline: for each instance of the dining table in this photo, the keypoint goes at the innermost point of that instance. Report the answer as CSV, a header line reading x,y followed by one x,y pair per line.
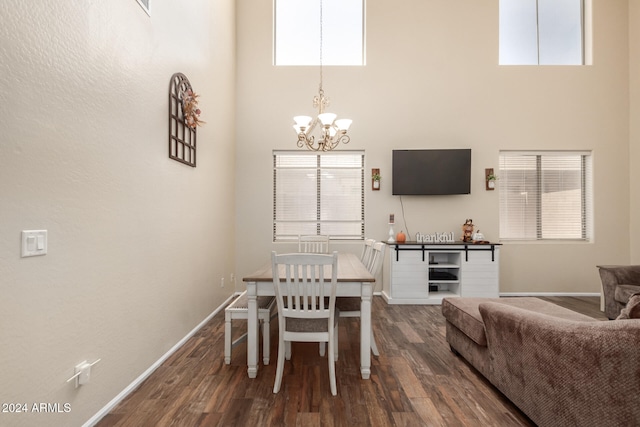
x,y
354,280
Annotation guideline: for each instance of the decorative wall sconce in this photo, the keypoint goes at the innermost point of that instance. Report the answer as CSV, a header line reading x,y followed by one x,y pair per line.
x,y
375,179
490,179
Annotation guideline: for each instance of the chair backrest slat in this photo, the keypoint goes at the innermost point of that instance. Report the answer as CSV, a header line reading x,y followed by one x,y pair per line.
x,y
367,248
318,244
376,259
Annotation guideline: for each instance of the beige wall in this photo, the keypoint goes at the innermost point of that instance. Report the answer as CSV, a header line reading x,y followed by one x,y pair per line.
x,y
432,81
138,243
634,126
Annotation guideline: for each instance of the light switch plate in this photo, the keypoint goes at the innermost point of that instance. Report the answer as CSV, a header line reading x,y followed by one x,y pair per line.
x,y
34,242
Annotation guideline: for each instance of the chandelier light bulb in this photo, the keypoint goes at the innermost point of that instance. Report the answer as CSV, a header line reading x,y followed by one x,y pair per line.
x,y
343,124
302,121
327,118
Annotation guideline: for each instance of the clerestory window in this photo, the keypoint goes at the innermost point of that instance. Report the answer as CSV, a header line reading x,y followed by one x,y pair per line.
x,y
542,32
297,32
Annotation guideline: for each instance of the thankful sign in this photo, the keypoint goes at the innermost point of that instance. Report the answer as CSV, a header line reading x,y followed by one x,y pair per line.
x,y
444,237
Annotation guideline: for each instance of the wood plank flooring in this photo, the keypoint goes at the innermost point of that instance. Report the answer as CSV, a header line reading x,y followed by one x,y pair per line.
x,y
416,380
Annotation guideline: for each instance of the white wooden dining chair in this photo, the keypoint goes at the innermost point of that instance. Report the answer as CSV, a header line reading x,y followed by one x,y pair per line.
x,y
239,309
317,244
306,312
350,306
366,251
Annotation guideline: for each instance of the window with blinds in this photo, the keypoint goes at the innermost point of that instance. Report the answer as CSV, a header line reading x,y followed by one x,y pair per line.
x,y
317,194
545,195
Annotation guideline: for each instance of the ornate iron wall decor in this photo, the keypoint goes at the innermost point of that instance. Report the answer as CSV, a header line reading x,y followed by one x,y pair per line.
x,y
182,137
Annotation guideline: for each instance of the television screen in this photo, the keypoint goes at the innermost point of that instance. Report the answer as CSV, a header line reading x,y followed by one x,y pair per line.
x,y
431,172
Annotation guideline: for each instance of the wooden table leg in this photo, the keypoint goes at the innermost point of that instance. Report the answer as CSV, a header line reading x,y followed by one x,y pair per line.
x,y
365,330
252,330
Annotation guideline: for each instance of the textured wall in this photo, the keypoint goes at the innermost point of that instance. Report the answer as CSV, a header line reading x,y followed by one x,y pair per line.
x,y
634,126
432,81
135,255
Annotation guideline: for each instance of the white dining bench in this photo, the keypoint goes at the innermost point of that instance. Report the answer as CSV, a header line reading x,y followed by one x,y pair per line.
x,y
239,309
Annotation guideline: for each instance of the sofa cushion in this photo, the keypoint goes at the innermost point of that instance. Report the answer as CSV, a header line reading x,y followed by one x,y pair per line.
x,y
624,292
632,310
464,313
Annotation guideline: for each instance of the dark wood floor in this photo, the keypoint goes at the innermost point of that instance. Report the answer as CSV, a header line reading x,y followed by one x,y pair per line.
x,y
416,381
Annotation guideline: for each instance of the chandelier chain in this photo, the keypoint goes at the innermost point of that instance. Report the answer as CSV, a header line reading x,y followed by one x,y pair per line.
x,y
321,91
332,131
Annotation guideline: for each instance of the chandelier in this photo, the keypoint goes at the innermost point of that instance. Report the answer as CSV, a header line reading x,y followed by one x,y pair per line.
x,y
332,131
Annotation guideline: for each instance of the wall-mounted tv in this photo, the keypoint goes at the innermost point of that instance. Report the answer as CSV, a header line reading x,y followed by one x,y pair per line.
x,y
431,172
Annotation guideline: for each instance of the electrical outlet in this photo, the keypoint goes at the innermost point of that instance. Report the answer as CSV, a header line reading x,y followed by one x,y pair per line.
x,y
222,282
82,373
232,278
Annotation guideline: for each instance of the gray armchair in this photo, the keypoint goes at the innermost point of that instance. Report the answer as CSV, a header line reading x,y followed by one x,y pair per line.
x,y
619,283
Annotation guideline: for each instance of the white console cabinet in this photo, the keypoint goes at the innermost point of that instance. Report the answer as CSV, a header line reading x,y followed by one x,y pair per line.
x,y
425,273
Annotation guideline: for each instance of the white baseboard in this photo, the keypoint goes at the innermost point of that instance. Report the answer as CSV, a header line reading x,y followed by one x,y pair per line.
x,y
124,393
549,294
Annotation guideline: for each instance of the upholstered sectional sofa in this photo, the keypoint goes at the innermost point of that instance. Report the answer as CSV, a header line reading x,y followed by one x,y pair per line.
x,y
561,368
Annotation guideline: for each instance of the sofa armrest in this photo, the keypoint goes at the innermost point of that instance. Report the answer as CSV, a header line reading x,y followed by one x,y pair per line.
x,y
561,372
628,274
612,276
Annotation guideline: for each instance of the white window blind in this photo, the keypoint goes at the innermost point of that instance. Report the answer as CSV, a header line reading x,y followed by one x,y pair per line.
x,y
317,194
545,195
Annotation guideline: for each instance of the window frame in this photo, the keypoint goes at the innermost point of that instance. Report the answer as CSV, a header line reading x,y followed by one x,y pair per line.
x,y
339,40
584,31
586,197
319,221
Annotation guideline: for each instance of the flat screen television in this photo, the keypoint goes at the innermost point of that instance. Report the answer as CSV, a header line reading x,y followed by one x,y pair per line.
x,y
431,172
